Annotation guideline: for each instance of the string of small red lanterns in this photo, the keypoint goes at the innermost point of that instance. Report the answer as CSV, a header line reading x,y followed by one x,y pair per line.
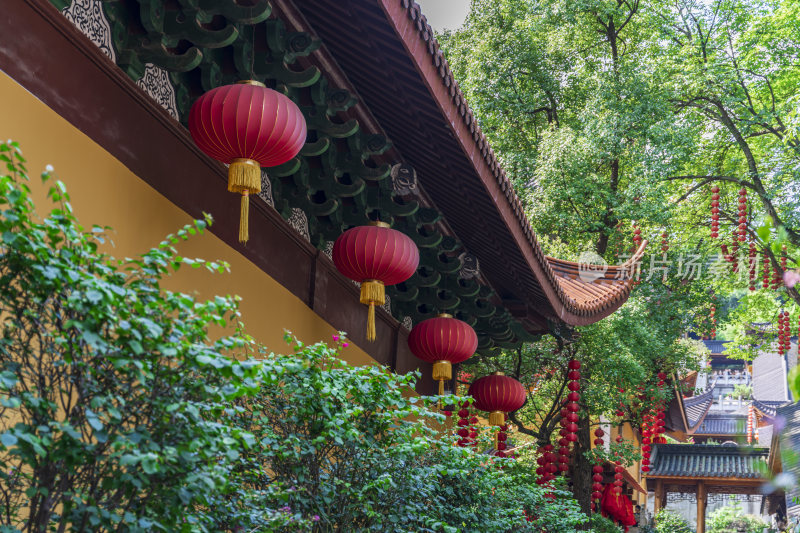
x,y
714,212
597,469
750,423
742,214
752,266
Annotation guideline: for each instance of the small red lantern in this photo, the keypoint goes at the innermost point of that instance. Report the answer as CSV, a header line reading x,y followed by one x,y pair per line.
x,y
443,341
498,394
247,126
376,256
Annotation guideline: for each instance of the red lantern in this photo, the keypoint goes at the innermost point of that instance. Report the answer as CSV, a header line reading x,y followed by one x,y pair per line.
x,y
375,256
498,394
443,341
248,127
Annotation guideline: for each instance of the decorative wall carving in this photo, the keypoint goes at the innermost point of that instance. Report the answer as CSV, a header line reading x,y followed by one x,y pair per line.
x,y
266,189
299,221
408,323
328,250
404,179
156,83
88,16
470,268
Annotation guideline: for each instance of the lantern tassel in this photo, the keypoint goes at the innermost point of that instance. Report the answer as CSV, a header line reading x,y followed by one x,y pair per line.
x,y
497,418
244,218
441,387
244,177
372,292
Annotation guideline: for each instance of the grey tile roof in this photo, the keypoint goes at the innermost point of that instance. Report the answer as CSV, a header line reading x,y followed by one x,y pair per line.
x,y
768,408
769,378
707,461
715,346
727,424
697,406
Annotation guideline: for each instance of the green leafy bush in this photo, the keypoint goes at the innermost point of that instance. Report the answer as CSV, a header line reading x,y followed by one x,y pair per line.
x,y
727,518
667,521
601,524
111,395
351,451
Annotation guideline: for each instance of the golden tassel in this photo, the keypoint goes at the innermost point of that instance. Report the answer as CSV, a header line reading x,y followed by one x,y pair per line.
x,y
441,387
244,177
497,418
372,293
244,218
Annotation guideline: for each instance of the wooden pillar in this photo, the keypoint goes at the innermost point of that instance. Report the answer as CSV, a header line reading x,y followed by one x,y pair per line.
x,y
701,507
658,501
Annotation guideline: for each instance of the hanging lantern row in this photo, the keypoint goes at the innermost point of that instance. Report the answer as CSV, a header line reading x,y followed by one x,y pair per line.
x,y
548,464
498,394
247,126
752,265
784,332
714,212
597,480
637,235
443,341
750,423
466,424
664,242
618,469
742,214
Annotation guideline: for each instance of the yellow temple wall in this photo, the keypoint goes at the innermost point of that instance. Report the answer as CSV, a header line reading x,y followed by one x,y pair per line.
x,y
104,192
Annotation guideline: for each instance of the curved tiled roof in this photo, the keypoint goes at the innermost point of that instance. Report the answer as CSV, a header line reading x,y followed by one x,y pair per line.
x,y
769,408
707,461
697,407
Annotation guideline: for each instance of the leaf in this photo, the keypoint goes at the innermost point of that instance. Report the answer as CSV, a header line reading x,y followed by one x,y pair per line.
x,y
93,420
8,440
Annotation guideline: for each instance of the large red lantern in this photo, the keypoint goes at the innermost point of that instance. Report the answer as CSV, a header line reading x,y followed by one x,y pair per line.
x,y
375,256
498,394
443,341
247,126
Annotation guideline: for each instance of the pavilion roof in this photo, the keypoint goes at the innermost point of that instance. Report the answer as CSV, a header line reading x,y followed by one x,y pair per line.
x,y
708,461
696,409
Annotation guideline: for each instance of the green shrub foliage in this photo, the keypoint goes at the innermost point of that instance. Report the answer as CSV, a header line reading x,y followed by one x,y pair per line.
x,y
667,521
118,411
728,518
